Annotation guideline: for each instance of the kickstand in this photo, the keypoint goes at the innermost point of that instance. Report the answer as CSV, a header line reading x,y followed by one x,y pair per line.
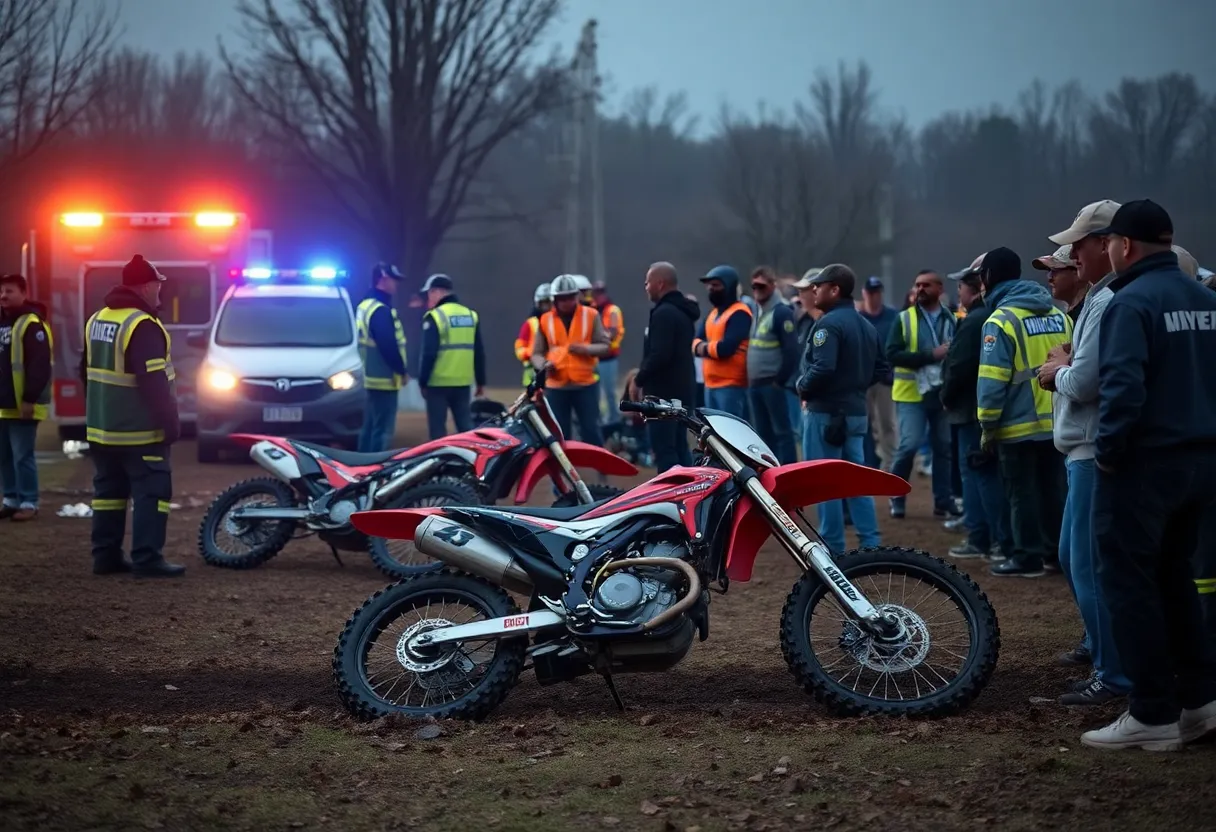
x,y
337,557
616,697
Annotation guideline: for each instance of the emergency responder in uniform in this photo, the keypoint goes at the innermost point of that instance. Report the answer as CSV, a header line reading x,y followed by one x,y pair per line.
x,y
132,419
722,342
772,366
25,395
1156,459
843,358
609,367
452,357
1014,411
542,302
382,348
568,344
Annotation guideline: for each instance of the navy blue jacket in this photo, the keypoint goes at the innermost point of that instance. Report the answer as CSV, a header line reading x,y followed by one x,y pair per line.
x,y
430,351
843,358
1156,363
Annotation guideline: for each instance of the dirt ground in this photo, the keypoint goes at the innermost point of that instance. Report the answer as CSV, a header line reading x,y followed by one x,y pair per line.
x,y
207,703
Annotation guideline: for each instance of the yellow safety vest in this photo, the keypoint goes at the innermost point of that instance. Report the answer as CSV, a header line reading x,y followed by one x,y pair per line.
x,y
1026,413
17,351
377,374
457,327
904,387
116,413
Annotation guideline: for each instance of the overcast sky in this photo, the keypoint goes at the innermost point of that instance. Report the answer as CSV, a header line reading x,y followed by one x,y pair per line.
x,y
928,56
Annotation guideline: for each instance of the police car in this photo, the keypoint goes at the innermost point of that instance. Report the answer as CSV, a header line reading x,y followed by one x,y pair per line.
x,y
282,358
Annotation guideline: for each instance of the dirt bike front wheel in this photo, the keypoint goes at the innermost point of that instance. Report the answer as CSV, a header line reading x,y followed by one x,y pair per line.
x,y
939,660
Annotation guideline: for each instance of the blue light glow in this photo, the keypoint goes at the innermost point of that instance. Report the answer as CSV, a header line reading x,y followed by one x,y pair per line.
x,y
257,273
323,273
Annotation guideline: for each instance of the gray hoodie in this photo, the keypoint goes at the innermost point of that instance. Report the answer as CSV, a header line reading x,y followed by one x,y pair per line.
x,y
1075,403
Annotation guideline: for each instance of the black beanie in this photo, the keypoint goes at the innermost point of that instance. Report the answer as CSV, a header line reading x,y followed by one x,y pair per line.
x,y
139,271
1000,264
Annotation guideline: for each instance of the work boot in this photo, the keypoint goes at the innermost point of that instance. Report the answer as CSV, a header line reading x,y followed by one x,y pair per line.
x,y
158,569
1078,656
1129,732
117,567
1018,568
966,550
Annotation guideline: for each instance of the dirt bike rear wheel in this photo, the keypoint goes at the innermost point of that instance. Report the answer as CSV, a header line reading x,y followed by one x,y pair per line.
x,y
851,694
396,558
403,602
266,538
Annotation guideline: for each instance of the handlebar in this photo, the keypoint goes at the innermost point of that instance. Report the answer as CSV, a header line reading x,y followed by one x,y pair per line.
x,y
652,408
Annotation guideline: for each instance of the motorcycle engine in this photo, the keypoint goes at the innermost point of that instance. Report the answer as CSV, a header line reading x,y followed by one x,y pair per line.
x,y
638,595
339,513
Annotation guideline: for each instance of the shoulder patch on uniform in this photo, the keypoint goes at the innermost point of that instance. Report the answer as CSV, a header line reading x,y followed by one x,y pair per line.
x,y
789,326
40,335
820,337
426,323
989,343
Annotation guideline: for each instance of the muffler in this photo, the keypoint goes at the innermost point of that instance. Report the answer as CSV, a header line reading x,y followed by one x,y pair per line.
x,y
456,545
403,480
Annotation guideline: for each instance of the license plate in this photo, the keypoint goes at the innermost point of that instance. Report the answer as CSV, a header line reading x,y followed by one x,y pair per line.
x,y
282,414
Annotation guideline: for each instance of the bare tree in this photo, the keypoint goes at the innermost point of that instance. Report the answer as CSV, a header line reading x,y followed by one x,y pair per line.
x,y
48,50
1145,126
398,104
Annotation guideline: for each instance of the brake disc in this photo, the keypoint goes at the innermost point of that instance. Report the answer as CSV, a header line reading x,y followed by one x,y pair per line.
x,y
899,655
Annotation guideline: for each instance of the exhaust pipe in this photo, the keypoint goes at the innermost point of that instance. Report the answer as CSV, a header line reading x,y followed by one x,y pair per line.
x,y
456,546
403,480
270,513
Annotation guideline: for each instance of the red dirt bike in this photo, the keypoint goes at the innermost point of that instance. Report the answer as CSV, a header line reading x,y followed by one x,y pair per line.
x,y
623,586
319,488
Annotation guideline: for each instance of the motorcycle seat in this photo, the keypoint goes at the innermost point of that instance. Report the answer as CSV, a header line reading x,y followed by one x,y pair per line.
x,y
561,513
351,457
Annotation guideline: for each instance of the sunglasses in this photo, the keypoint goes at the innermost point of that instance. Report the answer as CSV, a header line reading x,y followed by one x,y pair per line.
x,y
760,285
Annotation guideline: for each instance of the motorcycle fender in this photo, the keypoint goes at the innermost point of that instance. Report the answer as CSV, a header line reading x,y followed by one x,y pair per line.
x,y
581,455
797,486
392,524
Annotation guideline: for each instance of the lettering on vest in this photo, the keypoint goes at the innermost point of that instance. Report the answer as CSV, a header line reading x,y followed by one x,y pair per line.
x,y
6,335
1185,320
1045,325
461,321
103,332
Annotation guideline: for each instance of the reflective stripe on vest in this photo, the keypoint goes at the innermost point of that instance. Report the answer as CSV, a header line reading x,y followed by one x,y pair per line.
x,y
725,372
610,317
116,413
763,338
568,368
17,352
1027,411
904,387
457,325
523,351
377,374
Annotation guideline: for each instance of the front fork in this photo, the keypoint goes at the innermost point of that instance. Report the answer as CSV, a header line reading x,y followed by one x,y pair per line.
x,y
811,555
559,454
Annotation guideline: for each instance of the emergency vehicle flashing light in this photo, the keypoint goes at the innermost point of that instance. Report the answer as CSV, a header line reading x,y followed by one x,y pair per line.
x,y
215,219
81,220
260,273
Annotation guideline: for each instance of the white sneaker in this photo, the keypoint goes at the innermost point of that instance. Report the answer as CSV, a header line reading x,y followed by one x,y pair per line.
x,y
1198,722
1129,732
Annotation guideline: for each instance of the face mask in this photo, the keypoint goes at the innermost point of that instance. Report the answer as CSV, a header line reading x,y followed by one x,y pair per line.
x,y
717,298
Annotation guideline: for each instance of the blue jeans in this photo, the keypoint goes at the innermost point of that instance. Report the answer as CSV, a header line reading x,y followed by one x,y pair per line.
x,y
609,370
914,419
795,406
669,441
985,510
379,421
439,400
732,400
583,402
861,509
1078,562
18,468
771,419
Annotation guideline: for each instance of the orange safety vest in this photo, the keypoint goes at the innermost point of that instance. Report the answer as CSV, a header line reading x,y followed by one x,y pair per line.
x,y
523,349
568,368
723,372
612,318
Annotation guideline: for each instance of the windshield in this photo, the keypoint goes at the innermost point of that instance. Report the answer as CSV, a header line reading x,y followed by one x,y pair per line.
x,y
284,322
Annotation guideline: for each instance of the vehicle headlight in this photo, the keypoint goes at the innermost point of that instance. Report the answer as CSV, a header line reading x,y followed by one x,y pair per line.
x,y
219,379
344,380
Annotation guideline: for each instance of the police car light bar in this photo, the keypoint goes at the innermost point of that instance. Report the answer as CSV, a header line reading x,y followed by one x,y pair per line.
x,y
81,220
318,273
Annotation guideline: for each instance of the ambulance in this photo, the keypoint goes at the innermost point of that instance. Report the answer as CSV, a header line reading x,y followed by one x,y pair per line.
x,y
81,260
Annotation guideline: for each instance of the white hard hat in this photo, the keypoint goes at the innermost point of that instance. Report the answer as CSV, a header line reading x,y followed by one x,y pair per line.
x,y
544,292
584,285
564,284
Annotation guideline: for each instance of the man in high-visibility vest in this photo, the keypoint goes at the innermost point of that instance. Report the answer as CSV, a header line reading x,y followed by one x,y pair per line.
x,y
25,395
452,357
614,325
131,420
722,343
382,348
542,302
1014,410
568,344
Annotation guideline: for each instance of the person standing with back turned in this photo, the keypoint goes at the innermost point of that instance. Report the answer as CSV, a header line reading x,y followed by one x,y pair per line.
x,y
452,357
1156,460
382,348
131,420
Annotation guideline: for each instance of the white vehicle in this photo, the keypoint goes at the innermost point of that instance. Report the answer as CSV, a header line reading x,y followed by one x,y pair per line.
x,y
282,358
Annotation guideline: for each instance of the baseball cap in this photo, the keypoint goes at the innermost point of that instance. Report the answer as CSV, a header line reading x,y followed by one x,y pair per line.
x,y
1142,220
385,270
437,281
1061,258
873,284
808,279
1187,262
1092,219
1001,264
139,271
1203,274
838,274
971,271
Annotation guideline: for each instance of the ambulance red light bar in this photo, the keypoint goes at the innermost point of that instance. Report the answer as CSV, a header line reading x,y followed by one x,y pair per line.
x,y
262,274
215,219
206,221
81,220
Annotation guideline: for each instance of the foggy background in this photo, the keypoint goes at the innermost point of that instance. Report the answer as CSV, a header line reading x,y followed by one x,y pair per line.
x,y
769,131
